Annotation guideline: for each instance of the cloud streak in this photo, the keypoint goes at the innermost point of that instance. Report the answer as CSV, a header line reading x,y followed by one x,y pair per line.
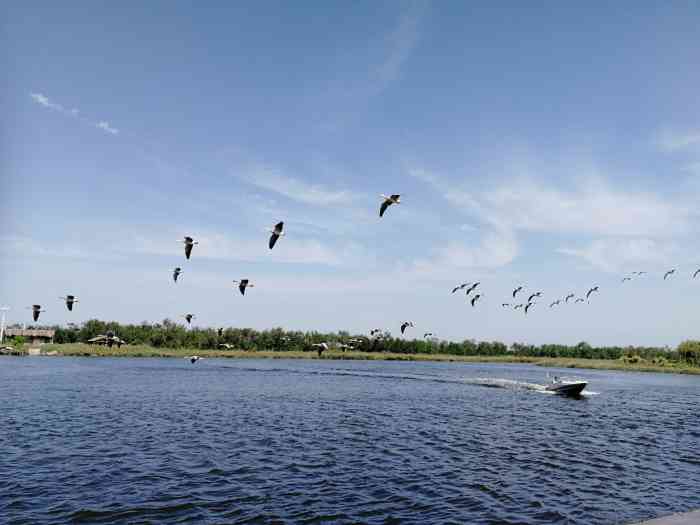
x,y
44,101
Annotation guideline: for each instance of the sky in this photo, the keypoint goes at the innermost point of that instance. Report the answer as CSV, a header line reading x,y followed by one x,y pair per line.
x,y
555,147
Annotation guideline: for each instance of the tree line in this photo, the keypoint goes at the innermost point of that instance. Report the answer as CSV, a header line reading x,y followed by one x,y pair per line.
x,y
168,334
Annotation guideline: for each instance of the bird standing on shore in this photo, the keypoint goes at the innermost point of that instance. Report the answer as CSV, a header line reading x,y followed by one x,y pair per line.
x,y
277,232
70,301
388,201
243,284
189,243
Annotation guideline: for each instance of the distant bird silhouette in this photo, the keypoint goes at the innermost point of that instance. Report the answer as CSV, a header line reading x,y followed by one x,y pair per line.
x,y
579,300
460,287
589,292
669,273
36,310
70,301
697,272
388,201
225,345
638,273
427,334
189,317
405,325
505,305
193,358
176,273
220,332
555,303
475,299
472,287
536,294
189,243
570,296
276,232
625,279
518,306
243,284
528,306
320,348
515,292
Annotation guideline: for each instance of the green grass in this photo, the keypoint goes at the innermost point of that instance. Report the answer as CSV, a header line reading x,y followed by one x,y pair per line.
x,y
148,351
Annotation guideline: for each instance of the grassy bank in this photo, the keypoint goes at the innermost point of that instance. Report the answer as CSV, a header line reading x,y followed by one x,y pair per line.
x,y
147,351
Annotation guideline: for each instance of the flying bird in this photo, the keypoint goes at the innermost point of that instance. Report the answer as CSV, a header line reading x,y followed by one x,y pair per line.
x,y
528,306
536,294
638,273
36,310
505,305
669,273
697,272
460,287
193,358
388,201
220,332
589,292
472,287
427,334
70,301
320,347
475,299
518,306
225,345
276,232
625,279
570,296
515,292
405,325
579,300
176,273
188,318
189,243
555,303
243,284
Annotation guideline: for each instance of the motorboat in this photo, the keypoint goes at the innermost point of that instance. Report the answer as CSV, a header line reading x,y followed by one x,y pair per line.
x,y
566,387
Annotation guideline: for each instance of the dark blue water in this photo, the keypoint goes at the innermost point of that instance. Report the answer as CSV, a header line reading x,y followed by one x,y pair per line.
x,y
224,441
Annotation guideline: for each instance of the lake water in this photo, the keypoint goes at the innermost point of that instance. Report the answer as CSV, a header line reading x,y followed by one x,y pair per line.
x,y
260,441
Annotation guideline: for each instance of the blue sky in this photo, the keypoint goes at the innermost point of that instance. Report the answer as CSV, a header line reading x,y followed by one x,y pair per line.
x,y
553,147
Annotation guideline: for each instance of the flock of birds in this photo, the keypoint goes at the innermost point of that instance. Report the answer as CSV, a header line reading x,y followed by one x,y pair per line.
x,y
277,231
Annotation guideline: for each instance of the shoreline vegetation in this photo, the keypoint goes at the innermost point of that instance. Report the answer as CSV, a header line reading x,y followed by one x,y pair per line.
x,y
86,350
169,339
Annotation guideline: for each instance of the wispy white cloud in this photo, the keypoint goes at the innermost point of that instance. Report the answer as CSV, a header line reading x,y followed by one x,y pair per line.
x,y
276,181
625,255
44,101
104,125
399,44
673,140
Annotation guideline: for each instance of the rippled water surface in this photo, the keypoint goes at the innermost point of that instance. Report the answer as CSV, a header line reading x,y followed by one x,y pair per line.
x,y
254,441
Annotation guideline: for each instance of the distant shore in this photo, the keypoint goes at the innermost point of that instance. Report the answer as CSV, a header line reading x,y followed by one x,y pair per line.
x,y
84,350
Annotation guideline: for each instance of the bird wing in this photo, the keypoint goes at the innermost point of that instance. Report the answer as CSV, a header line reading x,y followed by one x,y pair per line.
x,y
241,287
279,227
696,274
383,207
395,197
273,240
188,250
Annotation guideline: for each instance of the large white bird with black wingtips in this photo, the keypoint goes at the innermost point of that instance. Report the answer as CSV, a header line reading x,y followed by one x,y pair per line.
x,y
388,201
243,284
277,231
669,273
472,287
70,301
36,310
189,243
460,287
405,325
320,347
